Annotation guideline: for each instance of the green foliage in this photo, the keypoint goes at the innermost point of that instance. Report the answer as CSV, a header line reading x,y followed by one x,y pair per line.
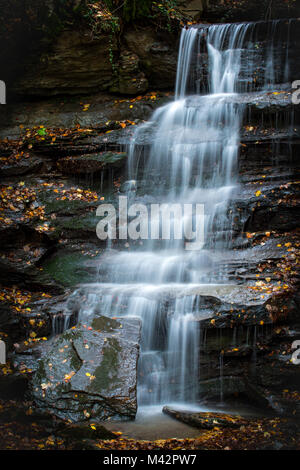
x,y
162,12
42,131
136,9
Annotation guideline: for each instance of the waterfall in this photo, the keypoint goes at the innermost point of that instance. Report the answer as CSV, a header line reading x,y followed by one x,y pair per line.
x,y
194,155
192,160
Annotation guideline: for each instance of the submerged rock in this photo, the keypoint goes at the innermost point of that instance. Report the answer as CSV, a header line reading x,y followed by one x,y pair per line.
x,y
90,372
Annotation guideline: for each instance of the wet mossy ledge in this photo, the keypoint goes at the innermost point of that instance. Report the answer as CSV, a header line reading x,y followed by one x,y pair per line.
x,y
92,163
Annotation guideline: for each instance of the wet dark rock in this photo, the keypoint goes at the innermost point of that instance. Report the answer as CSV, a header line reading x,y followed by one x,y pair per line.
x,y
256,102
101,115
78,63
76,228
84,431
245,10
83,144
231,386
17,236
9,320
131,80
272,308
13,386
28,277
266,376
91,163
281,218
81,62
158,56
243,351
120,138
90,372
69,266
285,404
18,325
24,166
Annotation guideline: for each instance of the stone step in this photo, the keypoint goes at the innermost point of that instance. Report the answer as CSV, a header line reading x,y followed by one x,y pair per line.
x,y
255,104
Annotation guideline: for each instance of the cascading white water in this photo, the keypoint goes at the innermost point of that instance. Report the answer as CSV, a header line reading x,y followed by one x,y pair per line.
x,y
192,159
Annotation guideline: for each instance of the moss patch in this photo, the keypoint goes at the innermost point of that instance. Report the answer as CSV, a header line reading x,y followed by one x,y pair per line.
x,y
67,268
107,373
105,324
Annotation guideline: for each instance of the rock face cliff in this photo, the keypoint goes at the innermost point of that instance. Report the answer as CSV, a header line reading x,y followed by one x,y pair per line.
x,y
55,49
52,50
79,64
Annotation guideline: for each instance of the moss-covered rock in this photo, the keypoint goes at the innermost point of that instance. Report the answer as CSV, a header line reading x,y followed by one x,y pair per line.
x,y
90,374
68,268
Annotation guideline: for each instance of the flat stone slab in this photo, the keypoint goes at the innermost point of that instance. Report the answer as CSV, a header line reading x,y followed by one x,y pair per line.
x,y
205,420
272,101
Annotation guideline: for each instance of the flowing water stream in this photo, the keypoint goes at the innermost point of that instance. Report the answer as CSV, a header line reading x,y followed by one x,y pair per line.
x,y
192,160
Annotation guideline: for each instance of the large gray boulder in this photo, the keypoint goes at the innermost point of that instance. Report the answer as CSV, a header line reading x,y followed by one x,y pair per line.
x,y
89,372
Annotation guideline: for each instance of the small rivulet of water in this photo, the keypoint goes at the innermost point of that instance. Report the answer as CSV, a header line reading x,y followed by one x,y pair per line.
x,y
192,159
